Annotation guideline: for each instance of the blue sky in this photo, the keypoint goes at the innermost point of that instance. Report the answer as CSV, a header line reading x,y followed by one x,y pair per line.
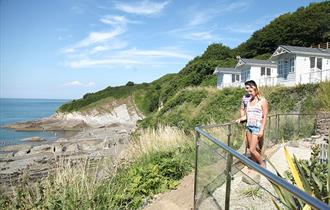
x,y
66,48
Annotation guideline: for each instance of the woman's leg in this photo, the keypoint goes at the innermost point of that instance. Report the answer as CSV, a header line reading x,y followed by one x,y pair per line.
x,y
253,150
249,139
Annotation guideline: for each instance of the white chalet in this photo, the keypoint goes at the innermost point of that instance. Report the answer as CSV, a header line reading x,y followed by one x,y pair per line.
x,y
227,77
261,71
289,65
301,65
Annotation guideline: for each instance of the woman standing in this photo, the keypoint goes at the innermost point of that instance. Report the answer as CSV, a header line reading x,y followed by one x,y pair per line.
x,y
256,116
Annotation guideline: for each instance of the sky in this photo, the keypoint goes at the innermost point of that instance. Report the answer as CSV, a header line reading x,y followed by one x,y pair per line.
x,y
65,48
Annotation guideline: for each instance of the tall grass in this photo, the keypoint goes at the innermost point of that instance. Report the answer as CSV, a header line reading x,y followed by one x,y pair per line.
x,y
150,140
323,96
158,159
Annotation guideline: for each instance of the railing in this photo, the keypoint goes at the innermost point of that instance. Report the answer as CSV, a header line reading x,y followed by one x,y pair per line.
x,y
315,76
325,45
290,79
233,84
220,166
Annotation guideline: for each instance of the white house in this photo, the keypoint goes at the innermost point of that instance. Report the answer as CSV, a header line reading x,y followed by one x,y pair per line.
x,y
300,65
261,71
227,77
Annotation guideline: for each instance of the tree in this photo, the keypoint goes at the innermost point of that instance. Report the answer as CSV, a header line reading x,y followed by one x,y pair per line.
x,y
129,83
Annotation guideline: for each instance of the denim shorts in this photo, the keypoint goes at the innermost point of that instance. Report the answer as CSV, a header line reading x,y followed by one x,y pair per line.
x,y
253,129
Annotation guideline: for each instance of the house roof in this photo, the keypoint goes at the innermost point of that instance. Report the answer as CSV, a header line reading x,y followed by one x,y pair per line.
x,y
300,50
225,70
255,62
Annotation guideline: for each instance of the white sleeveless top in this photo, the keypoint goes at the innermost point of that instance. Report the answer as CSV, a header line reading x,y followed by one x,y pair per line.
x,y
254,114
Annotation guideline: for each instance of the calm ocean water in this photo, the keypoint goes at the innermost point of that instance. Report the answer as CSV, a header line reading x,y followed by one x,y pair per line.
x,y
17,110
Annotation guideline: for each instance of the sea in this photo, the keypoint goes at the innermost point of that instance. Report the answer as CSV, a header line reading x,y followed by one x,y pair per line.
x,y
20,110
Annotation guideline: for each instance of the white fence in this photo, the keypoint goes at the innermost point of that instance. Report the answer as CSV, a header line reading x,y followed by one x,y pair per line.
x,y
289,79
294,79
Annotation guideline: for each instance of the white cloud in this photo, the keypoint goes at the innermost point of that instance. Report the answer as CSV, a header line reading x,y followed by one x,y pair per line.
x,y
99,37
119,25
142,7
235,6
198,16
129,57
198,19
85,63
155,53
77,83
115,20
115,45
203,35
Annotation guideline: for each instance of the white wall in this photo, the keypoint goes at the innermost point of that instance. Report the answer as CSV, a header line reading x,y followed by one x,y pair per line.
x,y
326,64
227,79
265,79
224,80
306,75
255,73
326,69
302,69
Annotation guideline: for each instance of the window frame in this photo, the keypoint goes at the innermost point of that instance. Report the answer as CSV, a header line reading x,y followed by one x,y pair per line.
x,y
310,62
262,71
317,63
234,78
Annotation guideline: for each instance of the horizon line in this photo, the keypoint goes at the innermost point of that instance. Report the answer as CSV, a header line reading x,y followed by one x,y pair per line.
x,y
38,98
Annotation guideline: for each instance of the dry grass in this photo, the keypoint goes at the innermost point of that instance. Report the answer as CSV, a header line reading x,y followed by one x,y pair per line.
x,y
73,184
323,96
152,140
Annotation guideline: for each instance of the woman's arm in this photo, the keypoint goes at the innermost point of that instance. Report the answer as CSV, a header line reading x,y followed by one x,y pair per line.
x,y
242,108
241,119
264,107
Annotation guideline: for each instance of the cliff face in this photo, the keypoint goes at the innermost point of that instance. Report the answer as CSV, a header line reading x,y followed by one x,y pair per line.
x,y
109,112
121,114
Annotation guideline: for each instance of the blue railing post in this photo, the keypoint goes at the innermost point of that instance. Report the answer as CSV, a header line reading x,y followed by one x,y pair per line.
x,y
228,170
277,127
197,139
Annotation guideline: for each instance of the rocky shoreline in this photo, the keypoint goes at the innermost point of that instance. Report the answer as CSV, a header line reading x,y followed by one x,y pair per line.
x,y
98,136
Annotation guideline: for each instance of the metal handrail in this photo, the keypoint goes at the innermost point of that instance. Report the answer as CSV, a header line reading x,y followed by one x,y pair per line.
x,y
269,116
269,175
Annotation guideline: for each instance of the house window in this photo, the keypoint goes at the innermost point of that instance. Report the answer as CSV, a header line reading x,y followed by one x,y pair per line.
x,y
245,75
285,66
319,63
312,62
262,71
235,77
280,67
292,69
315,63
265,71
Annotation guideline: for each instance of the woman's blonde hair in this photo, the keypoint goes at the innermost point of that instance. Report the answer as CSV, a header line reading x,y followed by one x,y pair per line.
x,y
257,90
